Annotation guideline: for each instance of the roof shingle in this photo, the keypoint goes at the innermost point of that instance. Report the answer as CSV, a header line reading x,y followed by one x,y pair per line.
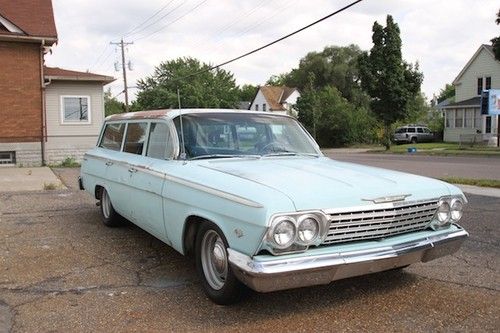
x,y
34,17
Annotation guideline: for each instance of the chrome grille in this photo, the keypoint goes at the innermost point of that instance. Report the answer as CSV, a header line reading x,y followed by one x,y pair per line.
x,y
378,223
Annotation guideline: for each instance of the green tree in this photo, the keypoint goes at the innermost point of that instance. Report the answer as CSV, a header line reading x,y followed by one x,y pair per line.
x,y
247,92
496,41
111,104
334,66
278,80
448,92
332,119
210,89
391,82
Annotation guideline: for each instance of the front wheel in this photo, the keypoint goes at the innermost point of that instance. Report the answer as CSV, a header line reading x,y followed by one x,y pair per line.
x,y
212,264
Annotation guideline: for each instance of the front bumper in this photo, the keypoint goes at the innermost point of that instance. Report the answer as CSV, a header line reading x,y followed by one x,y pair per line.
x,y
264,275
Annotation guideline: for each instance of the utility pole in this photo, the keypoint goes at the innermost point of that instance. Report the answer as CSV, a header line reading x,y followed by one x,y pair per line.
x,y
122,44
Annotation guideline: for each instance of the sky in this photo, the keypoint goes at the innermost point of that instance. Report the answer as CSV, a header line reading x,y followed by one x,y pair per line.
x,y
440,35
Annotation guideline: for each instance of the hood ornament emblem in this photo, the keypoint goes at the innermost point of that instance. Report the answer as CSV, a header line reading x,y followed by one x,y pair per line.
x,y
391,198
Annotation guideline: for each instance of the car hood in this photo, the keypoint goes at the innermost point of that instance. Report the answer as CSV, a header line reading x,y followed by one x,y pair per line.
x,y
322,183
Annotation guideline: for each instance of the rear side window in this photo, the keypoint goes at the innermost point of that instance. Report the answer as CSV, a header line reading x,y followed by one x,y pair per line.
x,y
160,142
411,130
420,130
134,140
113,136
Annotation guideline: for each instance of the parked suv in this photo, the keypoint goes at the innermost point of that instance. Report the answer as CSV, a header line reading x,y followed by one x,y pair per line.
x,y
413,134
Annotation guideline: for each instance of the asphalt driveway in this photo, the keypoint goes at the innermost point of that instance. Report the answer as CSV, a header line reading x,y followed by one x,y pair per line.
x,y
61,270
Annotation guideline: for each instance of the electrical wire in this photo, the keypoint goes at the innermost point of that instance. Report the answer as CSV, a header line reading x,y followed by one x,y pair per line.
x,y
271,43
157,20
172,22
148,19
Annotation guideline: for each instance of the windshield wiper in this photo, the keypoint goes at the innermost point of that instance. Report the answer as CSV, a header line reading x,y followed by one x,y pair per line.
x,y
290,153
202,157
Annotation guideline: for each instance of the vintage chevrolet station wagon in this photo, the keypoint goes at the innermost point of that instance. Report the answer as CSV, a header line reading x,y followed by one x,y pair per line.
x,y
252,197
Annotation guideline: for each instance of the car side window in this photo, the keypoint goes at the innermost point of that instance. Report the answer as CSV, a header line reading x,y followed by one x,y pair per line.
x,y
160,143
135,137
420,130
411,130
426,130
113,136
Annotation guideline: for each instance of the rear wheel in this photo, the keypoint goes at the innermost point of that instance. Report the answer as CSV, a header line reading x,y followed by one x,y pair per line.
x,y
110,217
212,264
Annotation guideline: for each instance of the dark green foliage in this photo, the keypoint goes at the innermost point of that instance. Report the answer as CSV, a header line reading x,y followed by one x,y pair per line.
x,y
211,89
334,66
332,119
496,41
446,93
391,83
111,104
247,92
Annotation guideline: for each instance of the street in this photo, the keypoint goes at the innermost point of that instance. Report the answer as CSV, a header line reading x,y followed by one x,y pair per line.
x,y
62,270
478,167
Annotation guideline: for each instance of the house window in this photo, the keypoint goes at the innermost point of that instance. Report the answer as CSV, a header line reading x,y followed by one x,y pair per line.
x,y
477,118
75,109
469,118
487,85
264,107
7,157
256,107
459,118
450,119
488,124
479,85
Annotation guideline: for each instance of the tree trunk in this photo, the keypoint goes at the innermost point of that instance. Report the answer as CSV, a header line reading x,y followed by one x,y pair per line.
x,y
387,136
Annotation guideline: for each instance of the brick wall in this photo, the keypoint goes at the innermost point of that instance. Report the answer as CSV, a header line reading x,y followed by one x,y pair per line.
x,y
20,94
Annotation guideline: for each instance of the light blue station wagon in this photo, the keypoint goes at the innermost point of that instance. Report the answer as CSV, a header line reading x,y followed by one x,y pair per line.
x,y
252,197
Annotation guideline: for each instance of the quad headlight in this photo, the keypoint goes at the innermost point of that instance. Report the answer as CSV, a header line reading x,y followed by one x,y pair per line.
x,y
449,211
295,232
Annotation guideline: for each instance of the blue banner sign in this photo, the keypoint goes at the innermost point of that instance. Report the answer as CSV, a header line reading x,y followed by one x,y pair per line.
x,y
490,102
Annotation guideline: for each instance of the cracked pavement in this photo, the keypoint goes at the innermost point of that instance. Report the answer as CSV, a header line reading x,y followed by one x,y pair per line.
x,y
61,270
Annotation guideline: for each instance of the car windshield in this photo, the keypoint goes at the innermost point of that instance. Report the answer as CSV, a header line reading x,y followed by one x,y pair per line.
x,y
218,135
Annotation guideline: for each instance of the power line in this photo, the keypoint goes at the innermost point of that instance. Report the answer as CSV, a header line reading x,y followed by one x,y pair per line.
x,y
172,22
148,19
157,20
271,43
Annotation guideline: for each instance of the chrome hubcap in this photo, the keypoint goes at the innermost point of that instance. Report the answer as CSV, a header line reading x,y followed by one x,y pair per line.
x,y
106,204
214,259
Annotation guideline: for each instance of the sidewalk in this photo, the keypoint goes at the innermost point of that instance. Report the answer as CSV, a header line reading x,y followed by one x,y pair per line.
x,y
486,191
28,179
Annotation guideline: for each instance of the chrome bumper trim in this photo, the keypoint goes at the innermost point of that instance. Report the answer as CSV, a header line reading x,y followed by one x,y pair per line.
x,y
301,271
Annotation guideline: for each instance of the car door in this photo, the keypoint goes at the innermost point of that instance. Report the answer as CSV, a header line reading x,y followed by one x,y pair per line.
x,y
147,179
115,174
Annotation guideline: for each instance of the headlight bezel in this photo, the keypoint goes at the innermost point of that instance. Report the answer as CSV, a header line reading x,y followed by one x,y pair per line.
x,y
297,245
450,201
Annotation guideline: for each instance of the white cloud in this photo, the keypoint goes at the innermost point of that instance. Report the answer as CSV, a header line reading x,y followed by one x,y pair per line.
x,y
440,35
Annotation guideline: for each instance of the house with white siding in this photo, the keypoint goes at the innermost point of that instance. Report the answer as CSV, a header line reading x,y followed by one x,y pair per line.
x,y
463,119
74,108
275,99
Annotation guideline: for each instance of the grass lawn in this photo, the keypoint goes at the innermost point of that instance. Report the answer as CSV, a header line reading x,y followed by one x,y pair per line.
x,y
476,182
443,148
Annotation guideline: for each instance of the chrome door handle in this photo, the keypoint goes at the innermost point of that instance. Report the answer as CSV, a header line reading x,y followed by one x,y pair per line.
x,y
108,163
132,170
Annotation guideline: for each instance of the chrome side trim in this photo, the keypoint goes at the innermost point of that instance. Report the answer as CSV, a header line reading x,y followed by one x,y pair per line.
x,y
213,191
194,185
306,270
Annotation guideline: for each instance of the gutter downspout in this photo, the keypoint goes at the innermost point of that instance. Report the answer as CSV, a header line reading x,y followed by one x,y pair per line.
x,y
42,92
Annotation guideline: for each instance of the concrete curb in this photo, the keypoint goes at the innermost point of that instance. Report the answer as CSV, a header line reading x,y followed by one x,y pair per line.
x,y
476,190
